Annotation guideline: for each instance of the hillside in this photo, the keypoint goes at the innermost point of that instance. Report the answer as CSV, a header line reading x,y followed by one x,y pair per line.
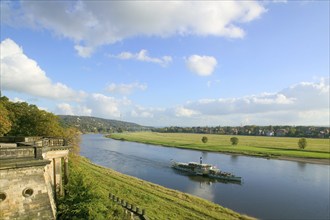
x,y
92,124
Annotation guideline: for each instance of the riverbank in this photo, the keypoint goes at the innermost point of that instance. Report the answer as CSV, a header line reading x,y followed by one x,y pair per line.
x,y
159,202
317,150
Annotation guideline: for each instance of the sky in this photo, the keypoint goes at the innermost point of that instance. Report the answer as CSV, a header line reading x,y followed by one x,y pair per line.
x,y
173,63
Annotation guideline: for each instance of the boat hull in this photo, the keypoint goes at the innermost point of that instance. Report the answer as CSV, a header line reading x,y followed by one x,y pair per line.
x,y
215,175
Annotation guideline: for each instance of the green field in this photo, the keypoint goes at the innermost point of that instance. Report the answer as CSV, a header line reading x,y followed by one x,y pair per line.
x,y
159,202
248,145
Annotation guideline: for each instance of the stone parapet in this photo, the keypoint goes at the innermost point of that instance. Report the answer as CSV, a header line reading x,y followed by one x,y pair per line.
x,y
31,176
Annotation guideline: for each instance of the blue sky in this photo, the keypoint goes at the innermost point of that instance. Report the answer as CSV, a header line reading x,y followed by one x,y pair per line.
x,y
170,63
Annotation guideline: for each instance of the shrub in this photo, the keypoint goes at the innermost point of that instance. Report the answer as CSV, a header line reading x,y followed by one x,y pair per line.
x,y
302,143
204,139
234,140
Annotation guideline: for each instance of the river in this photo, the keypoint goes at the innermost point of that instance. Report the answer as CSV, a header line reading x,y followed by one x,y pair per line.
x,y
271,189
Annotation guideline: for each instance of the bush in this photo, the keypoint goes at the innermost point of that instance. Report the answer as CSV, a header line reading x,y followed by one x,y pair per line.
x,y
302,143
84,199
234,140
204,139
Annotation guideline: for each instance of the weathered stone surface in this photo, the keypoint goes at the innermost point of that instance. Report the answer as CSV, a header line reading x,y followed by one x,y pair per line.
x,y
19,206
31,176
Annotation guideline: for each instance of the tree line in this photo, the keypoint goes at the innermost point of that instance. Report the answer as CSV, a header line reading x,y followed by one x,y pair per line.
x,y
253,130
23,119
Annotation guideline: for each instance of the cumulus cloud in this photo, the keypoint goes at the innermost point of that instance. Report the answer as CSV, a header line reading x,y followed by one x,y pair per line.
x,y
201,65
303,103
184,112
125,89
142,112
22,74
144,57
69,109
94,23
107,106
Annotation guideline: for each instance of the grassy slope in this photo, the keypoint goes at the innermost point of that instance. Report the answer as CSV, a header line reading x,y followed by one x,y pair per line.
x,y
159,202
248,145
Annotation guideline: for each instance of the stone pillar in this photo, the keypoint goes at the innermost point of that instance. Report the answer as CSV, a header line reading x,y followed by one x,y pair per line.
x,y
66,170
59,175
54,178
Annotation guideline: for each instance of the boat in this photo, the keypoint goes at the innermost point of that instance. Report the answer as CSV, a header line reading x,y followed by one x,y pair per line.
x,y
206,170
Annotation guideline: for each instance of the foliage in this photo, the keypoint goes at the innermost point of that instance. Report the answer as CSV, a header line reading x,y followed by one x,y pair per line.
x,y
80,202
302,143
28,120
204,139
248,145
5,123
234,140
253,130
92,124
72,135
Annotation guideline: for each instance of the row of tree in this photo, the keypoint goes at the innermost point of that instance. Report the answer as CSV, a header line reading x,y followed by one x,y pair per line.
x,y
23,119
254,130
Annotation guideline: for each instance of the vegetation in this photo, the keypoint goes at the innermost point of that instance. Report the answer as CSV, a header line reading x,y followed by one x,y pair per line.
x,y
204,139
159,202
249,145
234,140
302,143
253,130
22,119
83,200
5,123
88,124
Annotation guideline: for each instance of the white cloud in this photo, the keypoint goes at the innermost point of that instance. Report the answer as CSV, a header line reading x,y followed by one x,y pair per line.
x,y
125,89
84,51
141,112
305,103
184,112
300,104
106,106
21,74
68,109
201,65
94,23
143,56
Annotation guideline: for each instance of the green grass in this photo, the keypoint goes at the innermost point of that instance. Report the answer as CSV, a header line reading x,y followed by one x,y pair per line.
x,y
248,145
159,202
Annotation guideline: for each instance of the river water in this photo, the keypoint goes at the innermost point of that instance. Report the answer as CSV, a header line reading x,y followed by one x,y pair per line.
x,y
271,189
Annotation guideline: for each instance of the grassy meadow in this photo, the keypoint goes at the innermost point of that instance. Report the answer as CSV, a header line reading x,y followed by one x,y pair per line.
x,y
248,145
159,202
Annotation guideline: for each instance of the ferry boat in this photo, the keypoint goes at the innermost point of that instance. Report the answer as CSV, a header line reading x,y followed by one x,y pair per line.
x,y
203,169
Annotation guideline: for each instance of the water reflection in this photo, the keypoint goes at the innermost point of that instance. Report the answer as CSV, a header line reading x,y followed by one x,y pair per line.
x,y
233,158
301,165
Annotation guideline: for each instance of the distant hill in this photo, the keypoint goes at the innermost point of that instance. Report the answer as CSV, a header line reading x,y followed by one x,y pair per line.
x,y
92,124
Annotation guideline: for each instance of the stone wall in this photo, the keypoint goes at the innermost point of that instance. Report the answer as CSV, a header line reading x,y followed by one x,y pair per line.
x,y
31,176
26,194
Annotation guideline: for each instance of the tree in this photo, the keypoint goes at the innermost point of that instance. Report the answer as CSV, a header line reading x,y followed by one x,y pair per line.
x,y
204,139
234,140
302,143
5,123
82,201
29,120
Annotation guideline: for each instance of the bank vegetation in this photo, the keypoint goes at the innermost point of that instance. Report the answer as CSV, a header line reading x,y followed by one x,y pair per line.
x,y
317,149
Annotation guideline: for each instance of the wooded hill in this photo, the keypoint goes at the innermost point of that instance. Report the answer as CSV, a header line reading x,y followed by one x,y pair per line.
x,y
93,124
